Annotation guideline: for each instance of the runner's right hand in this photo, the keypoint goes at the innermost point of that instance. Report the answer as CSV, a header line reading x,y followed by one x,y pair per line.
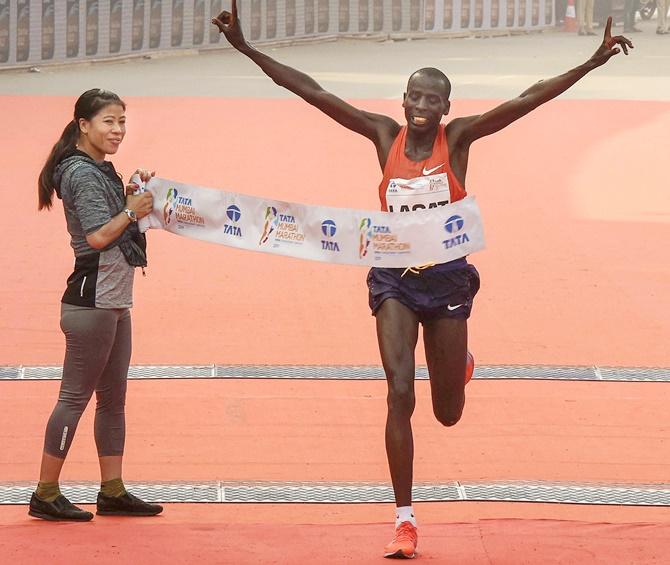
x,y
610,46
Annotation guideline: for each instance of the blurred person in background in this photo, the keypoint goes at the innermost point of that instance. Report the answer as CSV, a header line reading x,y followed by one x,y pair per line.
x,y
662,22
585,17
629,10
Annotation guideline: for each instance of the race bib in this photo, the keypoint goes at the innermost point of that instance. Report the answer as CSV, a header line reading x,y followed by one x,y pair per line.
x,y
420,193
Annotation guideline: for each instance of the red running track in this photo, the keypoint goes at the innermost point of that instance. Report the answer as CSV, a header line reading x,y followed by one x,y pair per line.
x,y
574,273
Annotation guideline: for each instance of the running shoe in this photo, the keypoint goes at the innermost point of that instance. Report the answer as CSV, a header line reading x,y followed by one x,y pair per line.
x,y
403,545
59,509
126,505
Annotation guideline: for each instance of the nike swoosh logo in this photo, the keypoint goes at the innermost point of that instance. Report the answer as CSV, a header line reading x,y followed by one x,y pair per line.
x,y
450,307
428,171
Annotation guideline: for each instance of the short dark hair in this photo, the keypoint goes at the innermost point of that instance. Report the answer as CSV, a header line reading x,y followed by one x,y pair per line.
x,y
435,74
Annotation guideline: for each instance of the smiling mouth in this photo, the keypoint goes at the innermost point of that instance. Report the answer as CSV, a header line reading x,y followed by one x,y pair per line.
x,y
419,121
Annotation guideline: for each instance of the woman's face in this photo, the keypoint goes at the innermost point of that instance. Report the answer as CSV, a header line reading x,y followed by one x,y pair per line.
x,y
102,134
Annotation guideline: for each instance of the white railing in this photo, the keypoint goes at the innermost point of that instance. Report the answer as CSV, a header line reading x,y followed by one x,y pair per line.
x,y
36,32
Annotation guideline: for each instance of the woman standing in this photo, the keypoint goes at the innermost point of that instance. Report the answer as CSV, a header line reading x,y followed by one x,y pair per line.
x,y
95,311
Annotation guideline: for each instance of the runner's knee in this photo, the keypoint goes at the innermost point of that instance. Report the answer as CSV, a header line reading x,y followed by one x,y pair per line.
x,y
448,417
401,398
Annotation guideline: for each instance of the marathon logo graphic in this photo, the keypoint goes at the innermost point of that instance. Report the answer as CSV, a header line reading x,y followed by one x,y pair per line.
x,y
329,229
381,238
170,205
289,230
365,229
453,226
284,227
385,241
234,214
270,224
180,209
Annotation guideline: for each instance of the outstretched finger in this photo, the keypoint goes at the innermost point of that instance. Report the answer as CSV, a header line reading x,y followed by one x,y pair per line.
x,y
608,28
234,11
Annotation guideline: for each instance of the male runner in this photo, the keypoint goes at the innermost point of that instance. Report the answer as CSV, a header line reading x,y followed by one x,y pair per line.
x,y
423,162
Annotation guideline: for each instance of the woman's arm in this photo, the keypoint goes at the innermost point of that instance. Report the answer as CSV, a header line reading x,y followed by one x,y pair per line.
x,y
139,205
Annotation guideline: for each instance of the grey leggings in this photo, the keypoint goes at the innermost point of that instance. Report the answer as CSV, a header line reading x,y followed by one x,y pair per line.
x,y
97,355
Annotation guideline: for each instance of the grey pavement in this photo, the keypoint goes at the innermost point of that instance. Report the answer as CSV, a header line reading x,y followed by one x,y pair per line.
x,y
479,68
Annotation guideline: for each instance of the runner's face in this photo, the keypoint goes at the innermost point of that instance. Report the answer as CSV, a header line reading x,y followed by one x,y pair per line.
x,y
102,134
424,103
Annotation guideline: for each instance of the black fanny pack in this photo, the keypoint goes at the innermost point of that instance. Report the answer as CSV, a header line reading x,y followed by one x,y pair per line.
x,y
133,245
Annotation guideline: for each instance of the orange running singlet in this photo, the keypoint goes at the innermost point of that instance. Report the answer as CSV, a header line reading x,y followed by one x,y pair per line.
x,y
426,175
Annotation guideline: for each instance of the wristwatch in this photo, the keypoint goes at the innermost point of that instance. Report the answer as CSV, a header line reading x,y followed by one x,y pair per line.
x,y
131,215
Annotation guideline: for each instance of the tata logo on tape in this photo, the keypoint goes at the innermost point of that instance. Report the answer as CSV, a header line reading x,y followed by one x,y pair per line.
x,y
234,214
453,225
329,229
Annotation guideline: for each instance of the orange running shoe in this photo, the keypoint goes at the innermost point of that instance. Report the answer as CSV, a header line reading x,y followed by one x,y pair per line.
x,y
403,545
469,367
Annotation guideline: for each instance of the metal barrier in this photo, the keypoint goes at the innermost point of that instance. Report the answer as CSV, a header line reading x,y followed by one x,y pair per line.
x,y
37,32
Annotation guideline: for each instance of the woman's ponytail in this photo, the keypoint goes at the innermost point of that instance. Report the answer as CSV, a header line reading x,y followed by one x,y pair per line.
x,y
45,185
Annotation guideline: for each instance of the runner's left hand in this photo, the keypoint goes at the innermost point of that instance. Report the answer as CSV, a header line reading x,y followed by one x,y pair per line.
x,y
609,48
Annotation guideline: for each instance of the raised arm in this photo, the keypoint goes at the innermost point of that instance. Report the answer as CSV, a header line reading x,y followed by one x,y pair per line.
x,y
372,126
475,127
